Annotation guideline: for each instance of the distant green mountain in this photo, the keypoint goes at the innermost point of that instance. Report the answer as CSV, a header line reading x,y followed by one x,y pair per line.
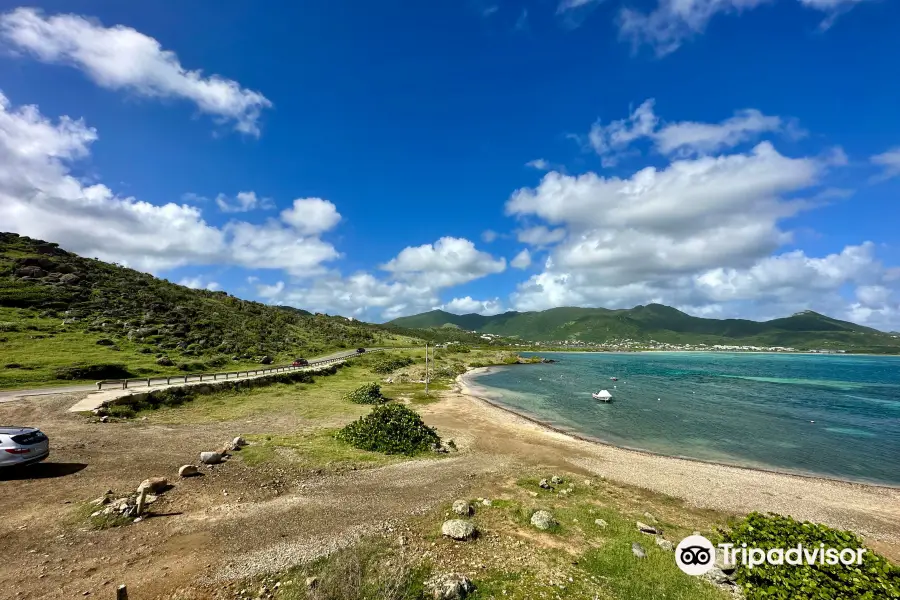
x,y
806,330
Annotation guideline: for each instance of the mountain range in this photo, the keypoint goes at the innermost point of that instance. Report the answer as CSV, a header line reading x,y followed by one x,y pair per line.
x,y
804,330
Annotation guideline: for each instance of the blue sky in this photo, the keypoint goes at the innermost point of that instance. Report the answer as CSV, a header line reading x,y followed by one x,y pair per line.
x,y
730,158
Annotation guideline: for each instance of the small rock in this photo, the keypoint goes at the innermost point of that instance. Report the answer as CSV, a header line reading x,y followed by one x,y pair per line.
x,y
638,550
544,484
486,502
650,517
238,443
717,576
665,544
164,361
601,523
188,471
312,582
210,458
458,529
153,484
649,529
449,586
462,508
556,480
543,520
100,501
104,419
533,494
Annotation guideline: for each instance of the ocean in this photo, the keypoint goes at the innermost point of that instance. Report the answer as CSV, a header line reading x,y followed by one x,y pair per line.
x,y
835,416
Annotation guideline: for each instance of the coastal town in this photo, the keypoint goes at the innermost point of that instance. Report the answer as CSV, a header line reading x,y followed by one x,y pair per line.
x,y
630,345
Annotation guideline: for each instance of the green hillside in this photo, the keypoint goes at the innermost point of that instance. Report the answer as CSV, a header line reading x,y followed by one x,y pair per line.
x,y
59,310
665,324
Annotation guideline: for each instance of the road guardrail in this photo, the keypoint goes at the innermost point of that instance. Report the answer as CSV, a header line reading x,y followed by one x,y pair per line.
x,y
149,381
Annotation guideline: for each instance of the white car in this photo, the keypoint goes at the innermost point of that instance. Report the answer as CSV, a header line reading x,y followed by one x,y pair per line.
x,y
22,446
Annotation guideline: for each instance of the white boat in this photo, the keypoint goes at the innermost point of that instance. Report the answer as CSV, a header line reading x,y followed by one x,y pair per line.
x,y
602,395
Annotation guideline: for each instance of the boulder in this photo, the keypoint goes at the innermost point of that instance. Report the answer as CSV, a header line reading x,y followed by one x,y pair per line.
x,y
70,279
105,342
154,485
556,480
165,361
266,360
449,586
649,529
462,507
188,471
601,523
638,550
543,520
210,458
238,443
665,544
458,529
650,517
544,484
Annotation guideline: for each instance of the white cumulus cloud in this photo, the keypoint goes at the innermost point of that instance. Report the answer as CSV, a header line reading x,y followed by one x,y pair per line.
x,y
449,261
39,197
673,22
889,162
468,305
522,260
122,58
243,202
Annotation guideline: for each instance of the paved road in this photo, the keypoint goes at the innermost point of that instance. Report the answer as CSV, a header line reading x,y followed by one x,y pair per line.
x,y
9,395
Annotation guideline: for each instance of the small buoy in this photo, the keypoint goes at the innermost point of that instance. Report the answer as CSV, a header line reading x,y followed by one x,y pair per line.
x,y
812,421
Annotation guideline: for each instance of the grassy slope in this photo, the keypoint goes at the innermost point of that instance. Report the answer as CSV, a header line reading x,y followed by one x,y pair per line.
x,y
665,324
46,323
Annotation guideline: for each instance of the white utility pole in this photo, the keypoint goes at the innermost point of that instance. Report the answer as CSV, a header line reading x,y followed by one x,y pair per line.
x,y
426,367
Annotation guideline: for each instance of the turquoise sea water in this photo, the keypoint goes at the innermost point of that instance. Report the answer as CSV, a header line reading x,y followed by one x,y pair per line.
x,y
744,409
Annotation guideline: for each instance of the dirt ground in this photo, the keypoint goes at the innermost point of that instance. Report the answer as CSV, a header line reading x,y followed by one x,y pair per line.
x,y
234,521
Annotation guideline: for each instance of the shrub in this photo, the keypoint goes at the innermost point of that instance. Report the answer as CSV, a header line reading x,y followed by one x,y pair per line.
x,y
12,366
9,326
459,348
392,429
217,361
100,371
191,366
368,393
391,363
874,578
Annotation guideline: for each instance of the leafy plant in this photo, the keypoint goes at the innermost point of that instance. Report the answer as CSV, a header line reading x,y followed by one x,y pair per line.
x,y
391,363
874,578
100,371
368,393
392,429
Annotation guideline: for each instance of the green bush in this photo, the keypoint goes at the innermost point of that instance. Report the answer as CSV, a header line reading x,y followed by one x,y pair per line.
x,y
9,326
392,429
191,366
100,371
368,393
389,364
874,578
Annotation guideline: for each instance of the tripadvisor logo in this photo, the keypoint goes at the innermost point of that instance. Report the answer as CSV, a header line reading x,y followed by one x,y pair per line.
x,y
696,555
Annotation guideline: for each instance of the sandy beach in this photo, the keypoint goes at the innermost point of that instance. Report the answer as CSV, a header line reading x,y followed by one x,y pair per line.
x,y
872,511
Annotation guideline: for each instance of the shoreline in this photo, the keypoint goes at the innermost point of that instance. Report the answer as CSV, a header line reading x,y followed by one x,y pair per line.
x,y
708,352
466,389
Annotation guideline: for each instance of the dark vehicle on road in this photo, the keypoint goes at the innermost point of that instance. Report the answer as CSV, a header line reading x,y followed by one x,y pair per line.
x,y
360,350
300,362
